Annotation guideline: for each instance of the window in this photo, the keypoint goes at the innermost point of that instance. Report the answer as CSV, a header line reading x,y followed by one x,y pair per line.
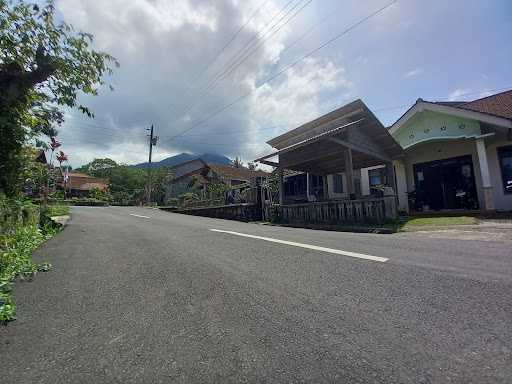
x,y
505,159
338,183
375,176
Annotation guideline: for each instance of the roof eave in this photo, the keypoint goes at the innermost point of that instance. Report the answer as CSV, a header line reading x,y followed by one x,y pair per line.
x,y
422,105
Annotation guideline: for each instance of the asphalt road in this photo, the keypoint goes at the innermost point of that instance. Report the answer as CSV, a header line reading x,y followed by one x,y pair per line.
x,y
143,296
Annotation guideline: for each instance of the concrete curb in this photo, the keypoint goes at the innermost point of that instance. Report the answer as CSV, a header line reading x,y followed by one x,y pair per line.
x,y
60,220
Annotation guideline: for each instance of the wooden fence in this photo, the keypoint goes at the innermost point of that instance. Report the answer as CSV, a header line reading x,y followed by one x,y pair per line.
x,y
338,212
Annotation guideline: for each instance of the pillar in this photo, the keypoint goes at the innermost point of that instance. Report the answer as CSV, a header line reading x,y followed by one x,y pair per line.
x,y
390,176
281,186
401,186
349,172
307,186
485,174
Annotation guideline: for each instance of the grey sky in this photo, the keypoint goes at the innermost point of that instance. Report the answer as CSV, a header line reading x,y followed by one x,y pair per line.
x,y
436,49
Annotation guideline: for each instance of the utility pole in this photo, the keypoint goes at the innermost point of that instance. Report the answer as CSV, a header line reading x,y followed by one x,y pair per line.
x,y
152,141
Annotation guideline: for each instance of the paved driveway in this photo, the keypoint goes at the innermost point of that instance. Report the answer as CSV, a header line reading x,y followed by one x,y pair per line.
x,y
144,296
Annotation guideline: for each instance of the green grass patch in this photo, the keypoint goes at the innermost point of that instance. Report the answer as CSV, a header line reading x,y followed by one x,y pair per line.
x,y
440,221
52,210
405,223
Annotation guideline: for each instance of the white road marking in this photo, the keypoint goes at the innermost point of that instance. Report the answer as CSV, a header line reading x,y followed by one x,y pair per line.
x,y
308,246
144,217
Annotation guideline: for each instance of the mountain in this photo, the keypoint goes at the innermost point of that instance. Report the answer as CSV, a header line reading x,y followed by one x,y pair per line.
x,y
184,157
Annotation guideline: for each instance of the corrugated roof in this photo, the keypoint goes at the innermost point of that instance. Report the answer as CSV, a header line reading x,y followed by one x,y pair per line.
x,y
234,173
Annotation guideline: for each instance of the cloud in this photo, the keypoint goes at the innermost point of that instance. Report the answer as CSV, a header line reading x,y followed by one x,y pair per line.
x,y
294,100
413,72
164,48
458,94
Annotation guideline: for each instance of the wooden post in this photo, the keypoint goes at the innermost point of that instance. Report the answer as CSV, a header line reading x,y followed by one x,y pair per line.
x,y
349,173
307,186
390,176
326,188
281,186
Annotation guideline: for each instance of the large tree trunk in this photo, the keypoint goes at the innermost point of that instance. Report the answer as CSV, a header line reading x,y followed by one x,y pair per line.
x,y
15,82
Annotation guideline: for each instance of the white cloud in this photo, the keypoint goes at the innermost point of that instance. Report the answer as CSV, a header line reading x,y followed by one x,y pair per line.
x,y
458,94
163,47
294,100
413,72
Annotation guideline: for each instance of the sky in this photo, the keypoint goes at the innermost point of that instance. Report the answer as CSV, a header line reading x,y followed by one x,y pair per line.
x,y
225,76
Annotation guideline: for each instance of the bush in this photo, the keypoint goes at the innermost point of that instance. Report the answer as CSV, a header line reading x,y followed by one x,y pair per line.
x,y
15,213
16,262
86,202
56,209
24,226
97,194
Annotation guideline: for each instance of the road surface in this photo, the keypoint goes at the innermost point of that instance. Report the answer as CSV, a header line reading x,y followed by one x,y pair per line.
x,y
143,296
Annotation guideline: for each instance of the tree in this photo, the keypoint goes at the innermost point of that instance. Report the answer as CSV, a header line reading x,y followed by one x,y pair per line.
x,y
127,184
44,66
237,162
252,166
98,165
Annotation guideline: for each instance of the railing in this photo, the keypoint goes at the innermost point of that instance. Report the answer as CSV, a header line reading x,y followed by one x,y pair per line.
x,y
338,212
205,203
240,212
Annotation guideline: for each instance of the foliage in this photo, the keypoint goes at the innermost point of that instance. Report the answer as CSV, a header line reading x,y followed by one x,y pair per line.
x,y
187,198
237,162
16,246
252,166
44,66
15,213
172,202
273,181
217,190
97,194
58,209
85,201
127,184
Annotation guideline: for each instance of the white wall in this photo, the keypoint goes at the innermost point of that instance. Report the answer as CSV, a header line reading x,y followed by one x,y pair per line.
x,y
502,201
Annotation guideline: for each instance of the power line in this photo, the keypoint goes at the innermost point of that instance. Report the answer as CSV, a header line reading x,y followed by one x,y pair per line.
x,y
248,53
242,27
234,57
285,69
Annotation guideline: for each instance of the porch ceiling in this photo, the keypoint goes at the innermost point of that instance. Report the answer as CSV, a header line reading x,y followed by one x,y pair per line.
x,y
318,147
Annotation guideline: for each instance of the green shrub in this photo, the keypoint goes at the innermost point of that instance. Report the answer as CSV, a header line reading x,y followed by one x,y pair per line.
x,y
16,262
51,210
86,202
23,229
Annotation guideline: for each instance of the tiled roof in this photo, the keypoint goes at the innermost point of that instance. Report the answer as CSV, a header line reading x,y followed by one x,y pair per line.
x,y
497,105
84,182
233,173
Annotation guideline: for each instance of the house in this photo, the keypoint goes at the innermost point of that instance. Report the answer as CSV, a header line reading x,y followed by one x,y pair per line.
x,y
457,155
437,156
199,175
325,157
39,156
80,184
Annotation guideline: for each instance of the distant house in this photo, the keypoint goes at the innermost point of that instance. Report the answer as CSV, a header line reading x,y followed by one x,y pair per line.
x,y
40,157
80,184
198,174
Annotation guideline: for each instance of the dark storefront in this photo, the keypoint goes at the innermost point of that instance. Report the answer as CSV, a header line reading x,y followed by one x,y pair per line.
x,y
445,184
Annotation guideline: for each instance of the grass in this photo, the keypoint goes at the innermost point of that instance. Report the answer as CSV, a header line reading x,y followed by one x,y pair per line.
x,y
440,221
410,223
57,210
